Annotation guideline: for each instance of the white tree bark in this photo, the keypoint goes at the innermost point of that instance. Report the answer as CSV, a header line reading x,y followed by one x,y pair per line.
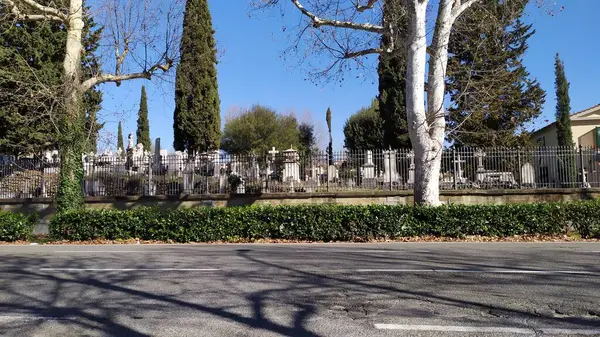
x,y
73,51
426,114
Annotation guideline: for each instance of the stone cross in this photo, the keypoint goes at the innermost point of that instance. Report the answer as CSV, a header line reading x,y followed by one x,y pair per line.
x,y
273,152
459,172
479,154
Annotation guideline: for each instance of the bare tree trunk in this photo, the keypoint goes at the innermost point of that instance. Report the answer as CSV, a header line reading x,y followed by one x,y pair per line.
x,y
427,155
72,135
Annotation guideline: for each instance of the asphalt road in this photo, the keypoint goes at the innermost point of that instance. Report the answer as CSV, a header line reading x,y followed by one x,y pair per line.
x,y
416,289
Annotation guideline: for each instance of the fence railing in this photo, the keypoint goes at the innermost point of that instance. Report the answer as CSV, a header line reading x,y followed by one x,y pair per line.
x,y
294,172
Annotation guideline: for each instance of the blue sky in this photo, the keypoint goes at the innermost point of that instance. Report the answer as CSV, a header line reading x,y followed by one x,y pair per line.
x,y
251,70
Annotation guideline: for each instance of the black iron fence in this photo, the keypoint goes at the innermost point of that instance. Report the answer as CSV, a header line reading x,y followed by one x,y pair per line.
x,y
293,172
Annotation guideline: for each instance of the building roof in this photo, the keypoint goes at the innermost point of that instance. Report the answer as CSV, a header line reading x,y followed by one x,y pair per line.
x,y
579,115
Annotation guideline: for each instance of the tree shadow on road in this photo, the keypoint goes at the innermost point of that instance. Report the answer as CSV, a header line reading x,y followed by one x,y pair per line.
x,y
108,303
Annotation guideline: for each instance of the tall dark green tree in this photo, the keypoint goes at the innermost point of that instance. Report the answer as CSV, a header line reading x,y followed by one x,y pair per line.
x,y
493,96
197,121
143,125
364,130
392,72
120,143
307,139
564,134
31,58
330,146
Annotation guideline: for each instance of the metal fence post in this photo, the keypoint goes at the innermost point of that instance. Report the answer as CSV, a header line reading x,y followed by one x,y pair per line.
x,y
520,180
454,170
150,161
390,166
582,168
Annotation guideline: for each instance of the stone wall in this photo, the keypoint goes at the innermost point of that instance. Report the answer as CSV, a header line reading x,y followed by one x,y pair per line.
x,y
45,208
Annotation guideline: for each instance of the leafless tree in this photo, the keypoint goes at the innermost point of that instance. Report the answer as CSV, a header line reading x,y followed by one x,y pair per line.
x,y
349,29
143,36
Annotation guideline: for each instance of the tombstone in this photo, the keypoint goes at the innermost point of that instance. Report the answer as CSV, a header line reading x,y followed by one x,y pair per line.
x,y
390,174
310,186
411,167
459,172
254,173
213,163
188,179
479,154
291,168
157,160
367,171
272,166
130,145
369,167
222,184
332,173
527,175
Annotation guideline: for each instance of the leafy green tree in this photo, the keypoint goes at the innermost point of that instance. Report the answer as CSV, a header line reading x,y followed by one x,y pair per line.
x,y
31,57
120,143
307,140
257,130
392,72
492,94
197,121
364,130
143,125
564,134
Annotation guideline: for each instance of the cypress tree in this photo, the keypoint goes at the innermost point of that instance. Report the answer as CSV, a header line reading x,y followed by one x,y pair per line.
x,y
330,146
143,126
197,121
392,72
492,94
120,144
564,134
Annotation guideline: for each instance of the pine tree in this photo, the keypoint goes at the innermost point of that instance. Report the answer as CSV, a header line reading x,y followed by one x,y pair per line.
x,y
392,71
492,94
120,144
564,134
330,146
197,120
143,125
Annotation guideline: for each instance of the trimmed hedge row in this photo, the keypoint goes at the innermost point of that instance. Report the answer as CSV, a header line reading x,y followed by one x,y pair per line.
x,y
15,226
327,222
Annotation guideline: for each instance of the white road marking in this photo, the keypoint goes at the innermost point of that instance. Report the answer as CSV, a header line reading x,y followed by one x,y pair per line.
x,y
129,269
490,329
110,251
481,271
32,318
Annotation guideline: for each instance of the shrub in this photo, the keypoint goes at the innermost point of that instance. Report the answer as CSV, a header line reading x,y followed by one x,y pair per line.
x,y
327,222
16,226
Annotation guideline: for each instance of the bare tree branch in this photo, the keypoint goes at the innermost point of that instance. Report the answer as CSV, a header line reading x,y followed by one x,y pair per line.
x,y
117,78
319,22
35,12
368,6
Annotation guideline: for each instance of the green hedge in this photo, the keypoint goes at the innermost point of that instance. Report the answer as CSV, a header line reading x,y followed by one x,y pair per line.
x,y
15,226
327,222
